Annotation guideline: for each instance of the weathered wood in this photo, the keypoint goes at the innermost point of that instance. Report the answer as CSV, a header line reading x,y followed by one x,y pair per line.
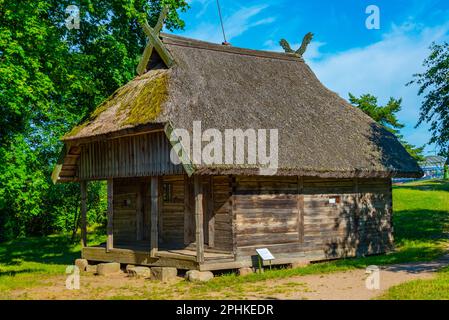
x,y
155,41
160,212
173,211
154,216
139,213
110,226
233,212
141,68
127,256
83,187
199,236
211,214
301,208
188,221
127,157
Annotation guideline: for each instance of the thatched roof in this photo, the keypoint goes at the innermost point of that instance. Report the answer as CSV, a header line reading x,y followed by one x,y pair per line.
x,y
320,133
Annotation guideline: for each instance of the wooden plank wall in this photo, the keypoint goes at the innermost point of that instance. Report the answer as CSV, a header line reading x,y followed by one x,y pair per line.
x,y
178,223
291,215
329,227
132,156
359,223
173,212
125,204
222,215
267,214
375,227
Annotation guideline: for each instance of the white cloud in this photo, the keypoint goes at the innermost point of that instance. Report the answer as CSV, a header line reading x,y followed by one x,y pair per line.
x,y
235,25
383,69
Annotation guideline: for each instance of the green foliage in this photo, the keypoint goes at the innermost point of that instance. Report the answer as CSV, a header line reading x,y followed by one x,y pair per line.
x,y
51,78
386,116
434,87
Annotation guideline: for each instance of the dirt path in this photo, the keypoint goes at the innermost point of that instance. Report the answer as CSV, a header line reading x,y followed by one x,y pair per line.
x,y
351,285
348,285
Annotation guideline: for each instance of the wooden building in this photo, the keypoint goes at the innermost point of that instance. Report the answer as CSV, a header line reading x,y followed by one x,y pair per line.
x,y
330,198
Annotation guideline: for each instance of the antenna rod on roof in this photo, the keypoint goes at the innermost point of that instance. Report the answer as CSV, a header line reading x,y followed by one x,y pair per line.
x,y
226,43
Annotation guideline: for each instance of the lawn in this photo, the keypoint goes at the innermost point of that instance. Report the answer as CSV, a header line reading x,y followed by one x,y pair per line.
x,y
421,221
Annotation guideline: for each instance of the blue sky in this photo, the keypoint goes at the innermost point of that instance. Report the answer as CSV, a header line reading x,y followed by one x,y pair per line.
x,y
345,55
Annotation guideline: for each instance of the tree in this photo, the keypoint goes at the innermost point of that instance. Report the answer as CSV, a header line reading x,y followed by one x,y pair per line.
x,y
434,87
51,78
386,116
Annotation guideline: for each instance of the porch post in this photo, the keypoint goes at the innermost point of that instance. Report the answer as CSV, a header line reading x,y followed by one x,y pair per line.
x,y
83,186
110,227
154,216
199,219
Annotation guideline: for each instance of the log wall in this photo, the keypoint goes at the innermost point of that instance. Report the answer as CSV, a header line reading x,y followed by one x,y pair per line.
x,y
222,212
172,217
312,217
127,208
294,217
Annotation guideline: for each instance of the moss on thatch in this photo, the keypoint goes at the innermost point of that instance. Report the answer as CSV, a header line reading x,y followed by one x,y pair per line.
x,y
147,104
138,102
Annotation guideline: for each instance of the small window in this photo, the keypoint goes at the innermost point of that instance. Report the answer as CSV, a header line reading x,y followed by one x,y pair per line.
x,y
168,194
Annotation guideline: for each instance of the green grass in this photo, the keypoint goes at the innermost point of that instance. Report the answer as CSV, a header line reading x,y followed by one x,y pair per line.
x,y
423,219
421,222
431,289
28,262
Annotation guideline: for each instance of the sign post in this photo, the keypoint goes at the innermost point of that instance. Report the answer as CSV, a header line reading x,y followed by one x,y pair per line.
x,y
264,255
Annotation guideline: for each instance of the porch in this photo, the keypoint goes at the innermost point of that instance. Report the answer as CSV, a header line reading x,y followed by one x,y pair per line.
x,y
158,221
138,253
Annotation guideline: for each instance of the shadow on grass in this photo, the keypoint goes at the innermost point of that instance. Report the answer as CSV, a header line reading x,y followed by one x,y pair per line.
x,y
428,185
421,224
56,249
13,273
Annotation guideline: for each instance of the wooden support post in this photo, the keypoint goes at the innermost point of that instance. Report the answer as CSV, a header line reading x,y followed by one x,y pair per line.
x,y
83,186
199,219
110,227
187,213
154,239
211,214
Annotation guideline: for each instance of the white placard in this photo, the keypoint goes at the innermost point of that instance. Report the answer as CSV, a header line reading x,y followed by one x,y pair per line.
x,y
265,254
332,200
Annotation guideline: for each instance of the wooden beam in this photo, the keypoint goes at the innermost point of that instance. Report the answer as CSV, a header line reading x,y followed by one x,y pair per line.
x,y
199,236
211,214
155,41
110,226
160,201
154,239
141,68
178,148
187,213
83,187
139,213
160,22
